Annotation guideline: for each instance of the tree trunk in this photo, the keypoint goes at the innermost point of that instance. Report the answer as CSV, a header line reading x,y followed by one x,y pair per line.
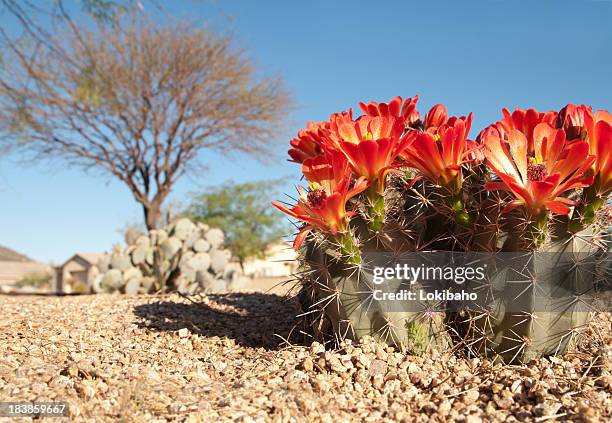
x,y
152,212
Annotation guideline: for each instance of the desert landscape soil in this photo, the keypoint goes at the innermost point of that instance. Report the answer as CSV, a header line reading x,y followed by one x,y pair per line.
x,y
227,357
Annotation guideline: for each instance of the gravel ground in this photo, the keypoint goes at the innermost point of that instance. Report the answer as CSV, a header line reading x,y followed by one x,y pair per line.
x,y
219,358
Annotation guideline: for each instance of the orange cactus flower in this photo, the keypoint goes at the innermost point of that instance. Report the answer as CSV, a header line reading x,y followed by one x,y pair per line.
x,y
572,120
439,157
323,206
437,116
440,151
371,144
598,129
437,120
309,142
337,120
405,110
524,121
537,174
580,122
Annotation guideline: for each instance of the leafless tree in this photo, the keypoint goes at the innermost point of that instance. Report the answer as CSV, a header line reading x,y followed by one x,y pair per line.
x,y
137,101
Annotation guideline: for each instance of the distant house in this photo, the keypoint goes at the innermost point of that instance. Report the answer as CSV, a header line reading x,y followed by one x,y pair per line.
x,y
15,266
280,261
75,271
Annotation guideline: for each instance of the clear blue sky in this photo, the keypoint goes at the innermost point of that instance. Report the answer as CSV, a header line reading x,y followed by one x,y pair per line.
x,y
471,55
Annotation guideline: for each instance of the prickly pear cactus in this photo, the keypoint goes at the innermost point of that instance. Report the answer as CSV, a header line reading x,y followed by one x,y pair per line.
x,y
185,256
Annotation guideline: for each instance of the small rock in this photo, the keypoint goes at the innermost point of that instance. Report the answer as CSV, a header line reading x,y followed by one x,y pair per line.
x,y
377,367
470,397
517,387
503,401
308,365
316,348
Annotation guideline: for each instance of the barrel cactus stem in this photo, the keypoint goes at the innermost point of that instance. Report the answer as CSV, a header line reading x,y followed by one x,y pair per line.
x,y
376,209
462,216
349,248
585,212
536,231
457,204
389,191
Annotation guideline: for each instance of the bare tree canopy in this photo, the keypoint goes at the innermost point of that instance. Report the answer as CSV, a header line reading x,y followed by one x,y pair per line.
x,y
137,101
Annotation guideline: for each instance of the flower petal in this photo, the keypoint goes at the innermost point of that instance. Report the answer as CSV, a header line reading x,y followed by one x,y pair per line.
x,y
301,236
557,207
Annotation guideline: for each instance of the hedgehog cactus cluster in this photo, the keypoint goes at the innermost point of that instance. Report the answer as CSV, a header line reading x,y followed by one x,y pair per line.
x,y
534,185
184,256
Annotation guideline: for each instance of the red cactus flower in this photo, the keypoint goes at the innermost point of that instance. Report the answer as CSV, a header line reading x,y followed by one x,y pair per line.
x,y
437,120
309,142
440,151
337,120
598,126
572,120
538,173
524,121
580,122
323,206
439,157
436,116
371,144
395,108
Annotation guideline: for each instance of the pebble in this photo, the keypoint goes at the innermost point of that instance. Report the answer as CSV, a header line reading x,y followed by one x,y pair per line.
x,y
377,367
307,364
165,358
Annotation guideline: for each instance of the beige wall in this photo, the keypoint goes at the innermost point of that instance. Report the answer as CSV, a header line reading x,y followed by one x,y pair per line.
x,y
279,262
13,271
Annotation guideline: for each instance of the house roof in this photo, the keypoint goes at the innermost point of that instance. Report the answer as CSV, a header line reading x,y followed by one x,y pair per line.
x,y
92,258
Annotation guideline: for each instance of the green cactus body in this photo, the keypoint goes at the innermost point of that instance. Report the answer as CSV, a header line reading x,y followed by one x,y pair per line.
x,y
539,307
541,197
341,296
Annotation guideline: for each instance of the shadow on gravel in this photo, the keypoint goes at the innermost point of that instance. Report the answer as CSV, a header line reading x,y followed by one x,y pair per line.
x,y
251,319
